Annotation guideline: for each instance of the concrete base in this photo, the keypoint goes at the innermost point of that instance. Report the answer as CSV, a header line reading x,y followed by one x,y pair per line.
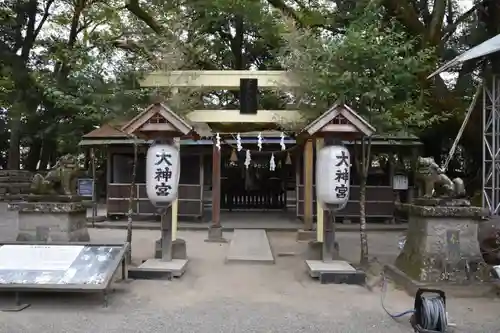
x,y
153,269
215,235
306,235
336,271
179,250
466,290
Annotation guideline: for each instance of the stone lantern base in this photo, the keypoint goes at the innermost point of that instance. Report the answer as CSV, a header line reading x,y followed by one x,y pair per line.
x,y
442,249
43,221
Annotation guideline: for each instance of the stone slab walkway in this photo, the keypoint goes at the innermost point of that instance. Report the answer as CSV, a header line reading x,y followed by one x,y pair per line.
x,y
250,246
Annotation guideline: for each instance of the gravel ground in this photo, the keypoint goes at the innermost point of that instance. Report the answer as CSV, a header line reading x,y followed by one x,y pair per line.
x,y
214,297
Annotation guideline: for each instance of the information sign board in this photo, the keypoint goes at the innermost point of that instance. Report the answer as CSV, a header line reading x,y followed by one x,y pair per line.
x,y
79,267
85,187
37,257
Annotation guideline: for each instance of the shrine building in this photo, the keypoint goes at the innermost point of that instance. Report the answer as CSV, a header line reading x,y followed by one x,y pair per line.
x,y
217,178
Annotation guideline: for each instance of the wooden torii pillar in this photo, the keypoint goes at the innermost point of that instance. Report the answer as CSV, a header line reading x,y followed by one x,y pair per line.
x,y
335,126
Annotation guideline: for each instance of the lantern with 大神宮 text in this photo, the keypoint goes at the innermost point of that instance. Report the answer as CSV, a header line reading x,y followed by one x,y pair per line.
x,y
162,173
333,166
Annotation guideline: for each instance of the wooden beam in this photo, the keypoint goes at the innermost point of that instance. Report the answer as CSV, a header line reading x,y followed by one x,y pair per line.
x,y
280,117
308,185
223,79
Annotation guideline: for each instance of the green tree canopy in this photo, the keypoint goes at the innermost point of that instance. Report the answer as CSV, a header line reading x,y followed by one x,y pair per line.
x,y
374,67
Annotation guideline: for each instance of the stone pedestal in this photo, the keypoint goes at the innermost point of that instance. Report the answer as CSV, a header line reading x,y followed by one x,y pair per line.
x,y
215,234
8,223
306,235
51,221
179,250
441,246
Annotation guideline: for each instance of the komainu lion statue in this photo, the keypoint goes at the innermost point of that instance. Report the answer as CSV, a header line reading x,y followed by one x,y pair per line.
x,y
59,180
435,182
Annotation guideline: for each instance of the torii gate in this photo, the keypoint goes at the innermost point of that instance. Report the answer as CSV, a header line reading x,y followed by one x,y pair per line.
x,y
339,121
230,79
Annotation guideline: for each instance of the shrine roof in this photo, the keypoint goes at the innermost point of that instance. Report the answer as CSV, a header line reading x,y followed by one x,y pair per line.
x,y
109,130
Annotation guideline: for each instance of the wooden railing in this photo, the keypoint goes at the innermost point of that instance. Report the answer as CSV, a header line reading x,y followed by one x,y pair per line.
x,y
190,200
379,202
270,196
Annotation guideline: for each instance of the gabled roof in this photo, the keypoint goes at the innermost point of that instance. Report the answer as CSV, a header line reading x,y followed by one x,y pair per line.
x,y
173,123
106,131
356,123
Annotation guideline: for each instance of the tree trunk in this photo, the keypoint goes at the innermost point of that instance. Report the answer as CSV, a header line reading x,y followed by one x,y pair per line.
x,y
33,157
363,165
131,202
14,158
26,34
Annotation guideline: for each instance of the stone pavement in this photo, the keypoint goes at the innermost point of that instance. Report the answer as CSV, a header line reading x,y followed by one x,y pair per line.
x,y
249,246
216,297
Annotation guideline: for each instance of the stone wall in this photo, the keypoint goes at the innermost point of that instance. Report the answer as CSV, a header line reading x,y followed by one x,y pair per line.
x,y
15,182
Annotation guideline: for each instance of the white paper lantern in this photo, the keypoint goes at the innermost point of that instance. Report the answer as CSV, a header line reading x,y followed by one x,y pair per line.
x,y
333,169
162,173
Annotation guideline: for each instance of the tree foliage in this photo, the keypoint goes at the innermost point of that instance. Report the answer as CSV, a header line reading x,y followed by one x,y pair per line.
x,y
373,66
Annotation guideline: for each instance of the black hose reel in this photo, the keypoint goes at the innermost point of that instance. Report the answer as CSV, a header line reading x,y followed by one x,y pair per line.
x,y
430,311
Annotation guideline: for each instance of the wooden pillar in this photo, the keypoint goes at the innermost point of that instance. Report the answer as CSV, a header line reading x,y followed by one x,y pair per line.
x,y
175,204
202,185
319,208
94,186
215,229
109,174
297,183
216,172
308,184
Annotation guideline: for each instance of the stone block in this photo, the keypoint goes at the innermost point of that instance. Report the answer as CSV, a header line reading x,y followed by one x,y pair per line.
x,y
314,250
8,223
335,271
51,222
442,245
179,250
215,235
306,235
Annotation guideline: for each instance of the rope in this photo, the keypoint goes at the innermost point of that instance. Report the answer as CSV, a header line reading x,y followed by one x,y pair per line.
x,y
462,128
268,152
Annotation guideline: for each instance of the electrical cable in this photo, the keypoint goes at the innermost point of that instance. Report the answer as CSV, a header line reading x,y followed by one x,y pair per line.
x,y
432,312
382,299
